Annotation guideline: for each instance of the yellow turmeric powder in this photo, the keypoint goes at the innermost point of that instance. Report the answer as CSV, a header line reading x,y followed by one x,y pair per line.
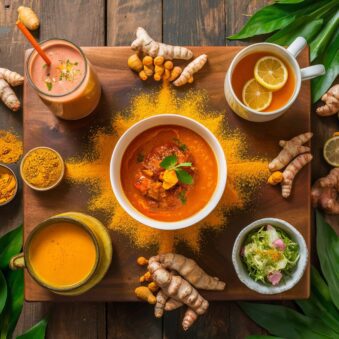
x,y
11,147
8,185
245,173
42,167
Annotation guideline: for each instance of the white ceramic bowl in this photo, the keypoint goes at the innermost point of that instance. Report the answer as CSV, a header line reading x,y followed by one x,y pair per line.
x,y
158,120
241,269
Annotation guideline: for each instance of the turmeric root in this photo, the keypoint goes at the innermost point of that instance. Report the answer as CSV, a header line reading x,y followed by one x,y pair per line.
x,y
176,71
28,17
142,75
177,288
149,70
193,67
146,277
153,287
331,99
325,192
159,60
147,60
160,304
135,63
13,78
168,65
146,44
144,293
290,150
275,178
142,261
189,318
8,96
172,304
190,270
291,171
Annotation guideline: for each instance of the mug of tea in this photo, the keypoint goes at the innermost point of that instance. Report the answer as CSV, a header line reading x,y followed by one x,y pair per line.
x,y
67,254
241,72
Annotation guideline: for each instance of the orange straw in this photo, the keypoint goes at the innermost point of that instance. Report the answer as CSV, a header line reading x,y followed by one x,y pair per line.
x,y
33,42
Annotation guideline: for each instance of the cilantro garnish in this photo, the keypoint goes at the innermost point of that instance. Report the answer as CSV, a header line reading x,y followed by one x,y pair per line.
x,y
171,163
182,197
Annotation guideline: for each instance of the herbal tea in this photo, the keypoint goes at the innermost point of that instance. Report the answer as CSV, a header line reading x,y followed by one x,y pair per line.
x,y
263,82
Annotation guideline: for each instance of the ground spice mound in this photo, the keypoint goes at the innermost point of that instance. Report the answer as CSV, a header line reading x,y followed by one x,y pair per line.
x,y
11,148
245,173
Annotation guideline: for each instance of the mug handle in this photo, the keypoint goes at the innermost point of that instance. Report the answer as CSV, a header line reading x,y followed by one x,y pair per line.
x,y
297,46
17,262
312,72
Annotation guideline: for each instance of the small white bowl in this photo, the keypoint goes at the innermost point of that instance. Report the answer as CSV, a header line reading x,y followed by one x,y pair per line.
x,y
159,120
241,269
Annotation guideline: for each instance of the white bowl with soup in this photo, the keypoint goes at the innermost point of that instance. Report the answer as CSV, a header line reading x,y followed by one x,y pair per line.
x,y
168,171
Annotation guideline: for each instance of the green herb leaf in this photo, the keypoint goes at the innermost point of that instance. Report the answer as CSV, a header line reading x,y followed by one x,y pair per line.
x,y
183,176
49,85
182,197
184,164
3,291
38,331
14,303
169,162
330,59
183,147
289,1
262,337
10,245
328,253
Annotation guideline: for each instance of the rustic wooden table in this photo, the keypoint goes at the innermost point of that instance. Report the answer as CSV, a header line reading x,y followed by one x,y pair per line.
x,y
113,22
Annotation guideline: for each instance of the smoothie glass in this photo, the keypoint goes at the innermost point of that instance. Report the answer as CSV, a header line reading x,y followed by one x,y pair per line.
x,y
69,87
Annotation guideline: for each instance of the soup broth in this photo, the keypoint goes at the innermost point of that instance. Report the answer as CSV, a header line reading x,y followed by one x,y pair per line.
x,y
244,71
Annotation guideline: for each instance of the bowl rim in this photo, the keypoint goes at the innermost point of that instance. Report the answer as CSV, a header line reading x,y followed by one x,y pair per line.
x,y
241,269
42,189
16,185
168,119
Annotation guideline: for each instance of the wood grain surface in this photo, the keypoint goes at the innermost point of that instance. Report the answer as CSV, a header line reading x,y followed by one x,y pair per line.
x,y
114,23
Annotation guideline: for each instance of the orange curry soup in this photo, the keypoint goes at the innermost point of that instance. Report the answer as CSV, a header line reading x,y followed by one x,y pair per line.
x,y
62,254
142,176
244,71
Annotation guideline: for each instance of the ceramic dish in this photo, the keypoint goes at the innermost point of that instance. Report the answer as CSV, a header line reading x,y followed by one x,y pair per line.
x,y
241,269
16,186
159,120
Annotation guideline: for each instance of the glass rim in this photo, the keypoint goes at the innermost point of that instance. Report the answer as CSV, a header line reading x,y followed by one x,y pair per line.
x,y
29,59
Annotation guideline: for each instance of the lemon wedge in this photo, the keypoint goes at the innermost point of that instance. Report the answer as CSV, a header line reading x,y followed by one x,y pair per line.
x,y
256,96
331,151
271,73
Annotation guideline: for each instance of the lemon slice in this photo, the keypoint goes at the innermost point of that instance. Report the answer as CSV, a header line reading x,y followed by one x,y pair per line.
x,y
256,96
271,73
331,151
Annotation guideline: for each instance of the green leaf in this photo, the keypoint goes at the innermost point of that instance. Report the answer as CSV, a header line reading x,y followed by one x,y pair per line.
x,y
183,176
169,162
304,26
330,59
321,41
14,303
3,291
285,322
289,1
182,197
328,253
184,164
10,245
262,337
38,331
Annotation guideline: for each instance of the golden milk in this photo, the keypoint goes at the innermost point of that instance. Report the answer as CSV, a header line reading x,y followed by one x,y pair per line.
x,y
62,254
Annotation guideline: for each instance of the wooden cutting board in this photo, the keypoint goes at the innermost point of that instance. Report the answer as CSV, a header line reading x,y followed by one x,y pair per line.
x,y
42,128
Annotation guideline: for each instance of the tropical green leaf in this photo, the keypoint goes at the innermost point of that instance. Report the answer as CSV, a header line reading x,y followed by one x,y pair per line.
x,y
328,253
304,26
10,245
184,176
285,322
3,291
262,337
38,331
324,37
169,162
14,303
330,59
289,1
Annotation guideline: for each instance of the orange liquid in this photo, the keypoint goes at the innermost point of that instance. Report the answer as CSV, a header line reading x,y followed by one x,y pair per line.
x,y
244,71
62,254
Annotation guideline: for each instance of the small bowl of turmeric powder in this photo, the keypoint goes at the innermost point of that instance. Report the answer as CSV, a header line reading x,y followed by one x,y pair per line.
x,y
42,168
8,185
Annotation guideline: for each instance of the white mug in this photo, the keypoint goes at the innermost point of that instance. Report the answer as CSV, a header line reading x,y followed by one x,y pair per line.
x,y
288,56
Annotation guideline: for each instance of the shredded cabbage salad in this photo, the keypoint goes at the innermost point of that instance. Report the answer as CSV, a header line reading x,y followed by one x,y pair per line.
x,y
269,254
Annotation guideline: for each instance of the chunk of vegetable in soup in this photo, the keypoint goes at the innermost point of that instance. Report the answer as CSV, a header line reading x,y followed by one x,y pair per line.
x,y
169,173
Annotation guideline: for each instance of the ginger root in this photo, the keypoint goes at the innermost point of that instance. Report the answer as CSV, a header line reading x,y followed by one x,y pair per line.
x,y
331,100
190,270
290,150
275,178
189,318
172,304
144,293
160,304
291,171
13,78
193,67
135,63
28,17
146,44
325,192
8,96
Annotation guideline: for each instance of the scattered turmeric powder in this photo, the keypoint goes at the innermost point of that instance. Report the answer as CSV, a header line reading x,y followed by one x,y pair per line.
x,y
8,185
245,173
11,148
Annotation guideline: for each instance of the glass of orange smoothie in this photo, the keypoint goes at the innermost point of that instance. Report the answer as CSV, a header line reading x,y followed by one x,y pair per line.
x,y
69,86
